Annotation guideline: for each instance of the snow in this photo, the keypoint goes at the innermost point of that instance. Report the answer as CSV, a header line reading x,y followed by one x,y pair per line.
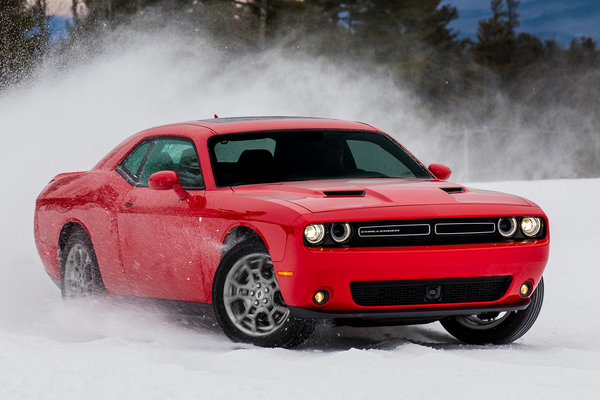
x,y
111,350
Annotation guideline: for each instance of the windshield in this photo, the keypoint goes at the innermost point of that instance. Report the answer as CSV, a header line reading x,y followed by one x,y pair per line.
x,y
248,158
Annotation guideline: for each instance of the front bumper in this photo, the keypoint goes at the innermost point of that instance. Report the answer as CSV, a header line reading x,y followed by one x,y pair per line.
x,y
334,270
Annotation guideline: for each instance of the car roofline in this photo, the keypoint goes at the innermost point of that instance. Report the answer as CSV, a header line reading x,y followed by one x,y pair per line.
x,y
277,123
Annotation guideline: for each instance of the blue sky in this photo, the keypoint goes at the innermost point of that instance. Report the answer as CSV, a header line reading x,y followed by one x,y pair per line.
x,y
548,19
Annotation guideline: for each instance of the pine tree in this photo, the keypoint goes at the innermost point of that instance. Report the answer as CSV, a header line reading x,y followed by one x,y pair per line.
x,y
582,52
495,37
21,40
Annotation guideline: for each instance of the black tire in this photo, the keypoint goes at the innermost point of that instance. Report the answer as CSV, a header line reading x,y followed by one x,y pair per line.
x,y
80,274
496,329
246,318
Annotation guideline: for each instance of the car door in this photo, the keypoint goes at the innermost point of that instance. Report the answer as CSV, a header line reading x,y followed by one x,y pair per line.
x,y
158,232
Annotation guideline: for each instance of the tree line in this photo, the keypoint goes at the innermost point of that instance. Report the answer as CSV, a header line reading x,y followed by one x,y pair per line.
x,y
539,81
409,38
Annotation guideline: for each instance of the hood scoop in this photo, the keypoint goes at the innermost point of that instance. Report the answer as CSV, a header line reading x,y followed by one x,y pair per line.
x,y
344,193
452,190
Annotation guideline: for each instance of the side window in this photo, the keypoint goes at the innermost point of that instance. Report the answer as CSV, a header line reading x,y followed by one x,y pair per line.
x,y
177,155
134,160
371,157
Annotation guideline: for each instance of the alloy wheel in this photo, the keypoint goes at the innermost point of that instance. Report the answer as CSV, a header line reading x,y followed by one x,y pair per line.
x,y
252,298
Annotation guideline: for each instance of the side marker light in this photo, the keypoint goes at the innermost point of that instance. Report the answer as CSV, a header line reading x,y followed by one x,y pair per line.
x,y
285,273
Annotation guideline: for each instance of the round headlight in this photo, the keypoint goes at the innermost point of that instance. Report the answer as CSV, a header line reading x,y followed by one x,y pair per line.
x,y
340,232
531,226
314,233
507,226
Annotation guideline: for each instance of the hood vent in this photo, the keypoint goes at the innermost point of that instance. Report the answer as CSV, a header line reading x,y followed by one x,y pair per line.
x,y
344,193
453,190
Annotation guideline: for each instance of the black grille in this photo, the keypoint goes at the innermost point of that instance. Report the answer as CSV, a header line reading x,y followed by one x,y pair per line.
x,y
465,228
425,232
428,291
394,230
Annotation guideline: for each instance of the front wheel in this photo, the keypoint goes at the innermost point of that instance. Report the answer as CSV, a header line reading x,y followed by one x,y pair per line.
x,y
248,303
496,327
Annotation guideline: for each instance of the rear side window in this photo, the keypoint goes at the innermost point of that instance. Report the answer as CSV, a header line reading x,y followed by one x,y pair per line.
x,y
163,154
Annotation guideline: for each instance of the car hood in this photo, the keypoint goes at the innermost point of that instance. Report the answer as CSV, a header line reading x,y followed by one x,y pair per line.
x,y
322,196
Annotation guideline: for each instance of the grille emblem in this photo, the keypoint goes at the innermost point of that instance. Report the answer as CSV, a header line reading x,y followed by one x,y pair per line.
x,y
433,293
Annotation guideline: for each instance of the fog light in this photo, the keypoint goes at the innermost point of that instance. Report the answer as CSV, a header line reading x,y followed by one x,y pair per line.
x,y
531,226
525,289
314,233
320,297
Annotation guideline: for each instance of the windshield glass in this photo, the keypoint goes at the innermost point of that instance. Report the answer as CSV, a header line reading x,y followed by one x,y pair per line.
x,y
247,158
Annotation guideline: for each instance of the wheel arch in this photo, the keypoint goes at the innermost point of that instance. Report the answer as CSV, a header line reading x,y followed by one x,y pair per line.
x,y
272,235
238,234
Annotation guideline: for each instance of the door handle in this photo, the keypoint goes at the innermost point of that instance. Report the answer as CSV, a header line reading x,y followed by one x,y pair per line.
x,y
128,204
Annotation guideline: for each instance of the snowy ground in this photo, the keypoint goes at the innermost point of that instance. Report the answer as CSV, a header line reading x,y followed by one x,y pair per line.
x,y
111,350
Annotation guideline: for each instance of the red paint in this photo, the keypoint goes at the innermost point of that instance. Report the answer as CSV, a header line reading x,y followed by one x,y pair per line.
x,y
150,243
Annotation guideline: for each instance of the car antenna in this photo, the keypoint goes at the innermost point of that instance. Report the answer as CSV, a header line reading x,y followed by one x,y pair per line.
x,y
216,116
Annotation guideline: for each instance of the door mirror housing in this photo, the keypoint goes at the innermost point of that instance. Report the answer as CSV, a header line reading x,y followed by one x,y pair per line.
x,y
440,171
163,180
167,180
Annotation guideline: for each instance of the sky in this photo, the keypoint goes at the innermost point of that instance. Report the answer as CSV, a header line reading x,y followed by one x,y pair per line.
x,y
59,7
547,19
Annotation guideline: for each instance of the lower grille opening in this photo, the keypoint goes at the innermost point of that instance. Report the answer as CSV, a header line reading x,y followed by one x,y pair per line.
x,y
429,291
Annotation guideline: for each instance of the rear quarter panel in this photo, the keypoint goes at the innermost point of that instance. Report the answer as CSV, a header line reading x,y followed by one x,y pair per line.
x,y
88,199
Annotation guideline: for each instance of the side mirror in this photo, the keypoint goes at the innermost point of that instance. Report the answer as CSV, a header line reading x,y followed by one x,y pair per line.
x,y
167,180
440,171
163,180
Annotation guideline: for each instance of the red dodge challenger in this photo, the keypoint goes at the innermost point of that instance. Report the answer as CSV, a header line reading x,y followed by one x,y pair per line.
x,y
281,221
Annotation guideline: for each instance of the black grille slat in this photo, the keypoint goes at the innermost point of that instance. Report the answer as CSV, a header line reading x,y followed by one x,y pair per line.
x,y
465,228
412,292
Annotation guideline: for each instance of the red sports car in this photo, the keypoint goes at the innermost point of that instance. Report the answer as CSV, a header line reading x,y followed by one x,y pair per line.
x,y
280,221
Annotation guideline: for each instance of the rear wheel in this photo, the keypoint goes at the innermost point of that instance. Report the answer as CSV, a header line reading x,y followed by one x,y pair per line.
x,y
80,272
248,303
496,327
